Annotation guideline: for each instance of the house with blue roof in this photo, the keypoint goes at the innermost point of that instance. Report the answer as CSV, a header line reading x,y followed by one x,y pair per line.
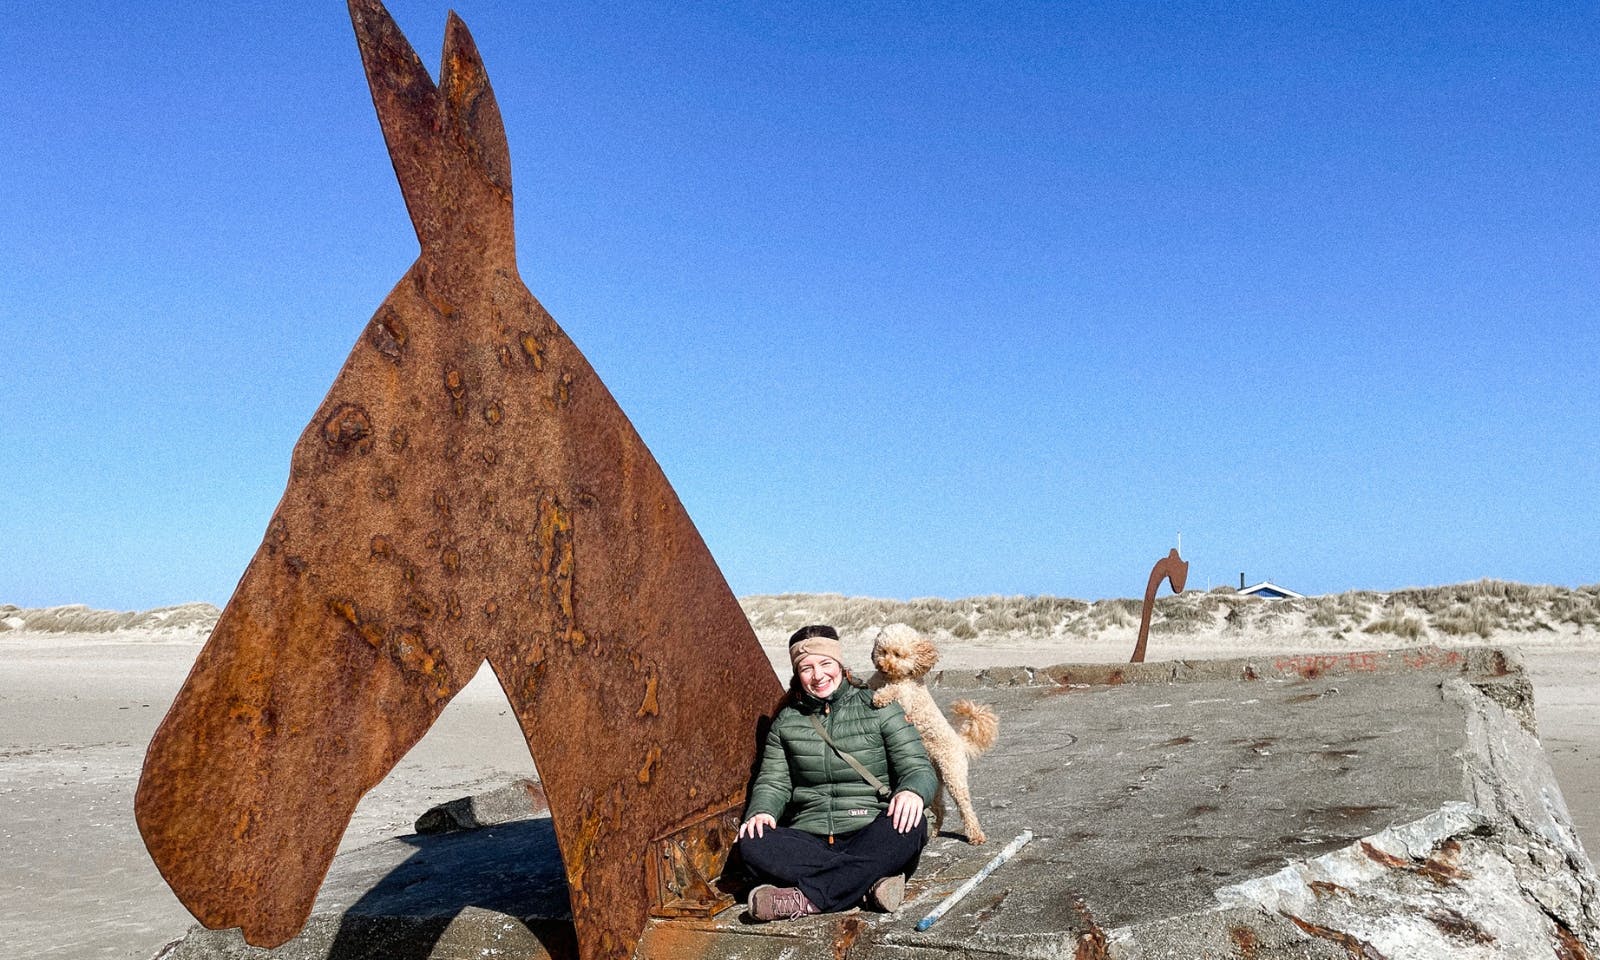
x,y
1267,590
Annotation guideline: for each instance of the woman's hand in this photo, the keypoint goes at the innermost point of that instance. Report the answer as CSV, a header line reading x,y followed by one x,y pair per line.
x,y
757,824
905,809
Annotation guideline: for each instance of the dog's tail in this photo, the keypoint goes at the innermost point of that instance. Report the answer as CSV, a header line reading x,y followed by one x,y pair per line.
x,y
978,727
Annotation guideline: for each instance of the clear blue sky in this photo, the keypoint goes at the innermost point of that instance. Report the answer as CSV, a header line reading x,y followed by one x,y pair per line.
x,y
908,299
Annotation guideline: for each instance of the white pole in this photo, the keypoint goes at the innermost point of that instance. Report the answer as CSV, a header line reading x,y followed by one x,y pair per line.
x,y
966,888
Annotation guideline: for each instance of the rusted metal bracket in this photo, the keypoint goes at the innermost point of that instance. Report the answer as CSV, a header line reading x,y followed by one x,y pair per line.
x,y
685,865
467,491
1171,568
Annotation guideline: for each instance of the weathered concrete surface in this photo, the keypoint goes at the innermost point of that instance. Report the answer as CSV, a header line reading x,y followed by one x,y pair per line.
x,y
1392,805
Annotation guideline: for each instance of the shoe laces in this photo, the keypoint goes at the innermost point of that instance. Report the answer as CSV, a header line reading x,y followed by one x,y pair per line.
x,y
795,905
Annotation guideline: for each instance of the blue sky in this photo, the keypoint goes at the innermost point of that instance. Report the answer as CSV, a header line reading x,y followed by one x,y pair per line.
x,y
908,299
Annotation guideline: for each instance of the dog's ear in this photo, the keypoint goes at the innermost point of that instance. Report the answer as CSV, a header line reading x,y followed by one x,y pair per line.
x,y
924,655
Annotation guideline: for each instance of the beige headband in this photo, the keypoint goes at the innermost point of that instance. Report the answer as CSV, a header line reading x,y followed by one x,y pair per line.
x,y
824,645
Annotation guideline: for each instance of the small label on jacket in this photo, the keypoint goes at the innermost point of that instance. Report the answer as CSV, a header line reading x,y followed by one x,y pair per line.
x,y
858,813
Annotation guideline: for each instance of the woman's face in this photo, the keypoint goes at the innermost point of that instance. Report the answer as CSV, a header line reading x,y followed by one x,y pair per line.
x,y
819,674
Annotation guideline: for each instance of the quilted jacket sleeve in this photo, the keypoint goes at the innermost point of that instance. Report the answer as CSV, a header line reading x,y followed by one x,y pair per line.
x,y
909,766
772,789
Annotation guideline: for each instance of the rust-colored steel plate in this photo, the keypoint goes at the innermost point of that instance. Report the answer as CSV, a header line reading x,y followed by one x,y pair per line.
x,y
468,490
1171,568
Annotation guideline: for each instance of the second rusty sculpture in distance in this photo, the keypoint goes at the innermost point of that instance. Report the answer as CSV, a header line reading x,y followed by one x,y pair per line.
x,y
1171,568
468,490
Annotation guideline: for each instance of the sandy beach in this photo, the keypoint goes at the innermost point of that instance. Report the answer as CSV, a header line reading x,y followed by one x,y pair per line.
x,y
77,709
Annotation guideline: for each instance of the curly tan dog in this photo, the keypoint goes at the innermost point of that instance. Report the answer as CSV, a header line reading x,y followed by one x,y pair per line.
x,y
903,657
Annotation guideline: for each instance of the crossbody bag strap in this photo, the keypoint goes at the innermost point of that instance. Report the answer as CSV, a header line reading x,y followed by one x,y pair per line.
x,y
855,764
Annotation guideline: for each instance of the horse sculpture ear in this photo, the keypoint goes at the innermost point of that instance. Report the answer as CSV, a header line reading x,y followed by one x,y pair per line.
x,y
430,129
407,104
472,114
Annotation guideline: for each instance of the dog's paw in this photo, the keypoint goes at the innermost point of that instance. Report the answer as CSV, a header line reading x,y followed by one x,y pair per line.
x,y
882,698
976,836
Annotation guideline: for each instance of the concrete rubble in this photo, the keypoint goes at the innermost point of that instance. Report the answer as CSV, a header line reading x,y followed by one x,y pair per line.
x,y
514,801
1363,805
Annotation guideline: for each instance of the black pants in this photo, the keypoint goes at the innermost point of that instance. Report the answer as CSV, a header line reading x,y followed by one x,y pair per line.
x,y
834,877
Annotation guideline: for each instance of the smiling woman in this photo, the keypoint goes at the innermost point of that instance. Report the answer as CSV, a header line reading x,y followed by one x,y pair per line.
x,y
819,674
836,813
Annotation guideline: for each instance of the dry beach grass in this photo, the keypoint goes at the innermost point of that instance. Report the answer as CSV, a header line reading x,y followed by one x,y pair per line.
x,y
81,691
1480,610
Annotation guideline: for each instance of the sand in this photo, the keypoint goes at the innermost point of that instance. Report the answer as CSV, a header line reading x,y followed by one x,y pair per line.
x,y
76,711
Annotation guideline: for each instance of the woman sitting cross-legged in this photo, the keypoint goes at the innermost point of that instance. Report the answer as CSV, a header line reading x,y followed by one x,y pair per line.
x,y
823,833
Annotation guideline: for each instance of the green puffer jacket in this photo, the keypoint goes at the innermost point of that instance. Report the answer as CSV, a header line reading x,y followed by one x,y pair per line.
x,y
804,784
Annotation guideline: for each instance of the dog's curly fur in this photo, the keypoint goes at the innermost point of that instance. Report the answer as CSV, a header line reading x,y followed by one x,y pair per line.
x,y
903,657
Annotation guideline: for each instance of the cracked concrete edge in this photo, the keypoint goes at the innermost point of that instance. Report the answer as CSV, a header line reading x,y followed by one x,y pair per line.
x,y
1290,888
1227,932
1403,891
1469,888
1487,664
1508,774
518,800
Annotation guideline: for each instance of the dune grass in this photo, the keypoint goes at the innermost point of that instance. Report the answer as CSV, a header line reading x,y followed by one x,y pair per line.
x,y
1478,610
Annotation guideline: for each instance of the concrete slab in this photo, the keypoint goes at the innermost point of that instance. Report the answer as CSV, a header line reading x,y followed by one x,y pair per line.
x,y
1356,805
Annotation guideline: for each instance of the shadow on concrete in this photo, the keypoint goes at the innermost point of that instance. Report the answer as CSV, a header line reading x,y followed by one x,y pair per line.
x,y
493,887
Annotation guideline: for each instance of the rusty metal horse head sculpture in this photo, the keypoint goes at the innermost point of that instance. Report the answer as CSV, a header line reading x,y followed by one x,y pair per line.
x,y
1171,568
467,491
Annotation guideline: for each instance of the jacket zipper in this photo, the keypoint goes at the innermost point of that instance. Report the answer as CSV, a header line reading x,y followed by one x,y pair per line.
x,y
827,772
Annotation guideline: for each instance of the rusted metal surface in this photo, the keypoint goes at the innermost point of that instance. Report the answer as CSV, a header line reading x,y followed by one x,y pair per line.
x,y
685,865
468,490
1171,568
1357,948
1091,943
